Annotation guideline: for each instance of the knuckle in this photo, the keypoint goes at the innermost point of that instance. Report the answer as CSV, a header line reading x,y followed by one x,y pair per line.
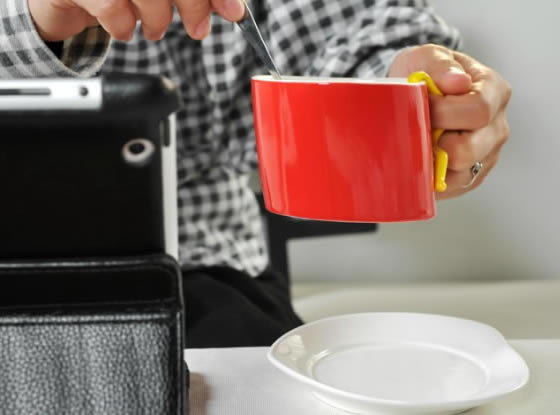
x,y
432,47
196,10
506,131
508,91
481,111
426,50
107,7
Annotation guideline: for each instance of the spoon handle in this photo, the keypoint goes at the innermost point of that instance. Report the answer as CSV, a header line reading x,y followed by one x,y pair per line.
x,y
251,32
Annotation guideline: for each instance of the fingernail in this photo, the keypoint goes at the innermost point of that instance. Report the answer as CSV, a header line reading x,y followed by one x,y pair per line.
x,y
234,9
152,35
130,36
203,28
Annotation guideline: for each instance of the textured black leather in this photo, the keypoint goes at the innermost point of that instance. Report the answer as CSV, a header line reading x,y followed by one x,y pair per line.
x,y
99,332
92,337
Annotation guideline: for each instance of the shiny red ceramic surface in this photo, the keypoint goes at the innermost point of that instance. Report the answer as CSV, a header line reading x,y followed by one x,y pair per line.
x,y
344,151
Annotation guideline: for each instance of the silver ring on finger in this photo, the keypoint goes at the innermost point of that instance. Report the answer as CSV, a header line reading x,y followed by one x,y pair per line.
x,y
475,171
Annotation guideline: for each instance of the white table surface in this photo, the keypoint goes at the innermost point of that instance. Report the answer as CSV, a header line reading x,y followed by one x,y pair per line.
x,y
241,381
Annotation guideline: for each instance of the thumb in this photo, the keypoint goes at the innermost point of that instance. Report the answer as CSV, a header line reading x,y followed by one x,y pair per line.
x,y
451,79
439,62
448,74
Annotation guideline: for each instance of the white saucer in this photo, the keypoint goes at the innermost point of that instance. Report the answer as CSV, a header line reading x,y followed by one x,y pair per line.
x,y
400,363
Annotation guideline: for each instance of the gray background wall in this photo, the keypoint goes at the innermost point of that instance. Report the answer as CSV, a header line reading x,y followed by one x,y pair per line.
x,y
510,227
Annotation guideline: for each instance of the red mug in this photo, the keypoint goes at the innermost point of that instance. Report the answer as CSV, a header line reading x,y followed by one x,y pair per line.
x,y
347,150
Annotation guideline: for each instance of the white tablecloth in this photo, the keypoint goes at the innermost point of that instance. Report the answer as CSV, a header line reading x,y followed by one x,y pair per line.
x,y
243,382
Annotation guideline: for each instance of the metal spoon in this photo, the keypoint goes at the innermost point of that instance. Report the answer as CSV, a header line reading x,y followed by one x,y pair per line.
x,y
251,32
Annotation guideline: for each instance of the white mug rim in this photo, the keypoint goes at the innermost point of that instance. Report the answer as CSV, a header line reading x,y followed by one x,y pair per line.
x,y
332,80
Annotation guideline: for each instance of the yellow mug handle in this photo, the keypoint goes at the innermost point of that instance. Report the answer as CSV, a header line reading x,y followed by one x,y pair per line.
x,y
440,155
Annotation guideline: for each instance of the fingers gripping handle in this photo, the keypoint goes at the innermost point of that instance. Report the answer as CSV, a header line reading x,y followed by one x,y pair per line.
x,y
441,157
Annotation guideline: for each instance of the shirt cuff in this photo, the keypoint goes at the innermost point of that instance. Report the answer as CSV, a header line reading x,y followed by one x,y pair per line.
x,y
85,53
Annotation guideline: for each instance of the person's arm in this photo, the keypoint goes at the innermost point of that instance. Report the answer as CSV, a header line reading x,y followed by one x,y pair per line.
x,y
368,38
357,38
30,30
473,112
24,54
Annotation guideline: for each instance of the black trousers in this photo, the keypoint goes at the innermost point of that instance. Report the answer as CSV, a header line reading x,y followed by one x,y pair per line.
x,y
228,308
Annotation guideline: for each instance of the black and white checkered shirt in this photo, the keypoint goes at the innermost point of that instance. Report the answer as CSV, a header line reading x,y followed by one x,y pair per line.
x,y
219,221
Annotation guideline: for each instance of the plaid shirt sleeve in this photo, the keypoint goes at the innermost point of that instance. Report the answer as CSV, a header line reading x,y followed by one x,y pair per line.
x,y
357,38
23,54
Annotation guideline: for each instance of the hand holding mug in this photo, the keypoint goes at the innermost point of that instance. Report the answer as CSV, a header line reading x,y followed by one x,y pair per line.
x,y
58,20
472,112
361,150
